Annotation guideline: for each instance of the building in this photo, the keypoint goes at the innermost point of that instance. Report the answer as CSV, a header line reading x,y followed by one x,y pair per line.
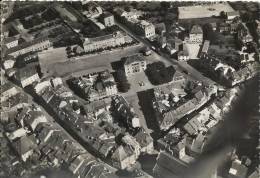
x,y
6,9
196,34
33,119
205,47
108,19
168,115
243,34
103,42
134,64
125,112
141,27
25,147
26,76
10,42
38,44
123,157
145,141
237,170
183,55
146,29
232,15
168,166
8,90
94,86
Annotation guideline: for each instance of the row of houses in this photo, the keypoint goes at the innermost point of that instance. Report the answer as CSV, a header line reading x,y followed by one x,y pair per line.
x,y
227,74
116,39
181,146
96,128
34,138
94,86
14,49
168,114
141,27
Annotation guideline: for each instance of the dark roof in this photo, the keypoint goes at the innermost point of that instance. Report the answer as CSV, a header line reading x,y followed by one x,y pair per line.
x,y
26,44
133,58
6,86
170,163
25,72
196,29
233,13
106,14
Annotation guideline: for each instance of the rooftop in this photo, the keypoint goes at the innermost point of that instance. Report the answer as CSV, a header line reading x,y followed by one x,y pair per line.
x,y
133,58
25,72
196,29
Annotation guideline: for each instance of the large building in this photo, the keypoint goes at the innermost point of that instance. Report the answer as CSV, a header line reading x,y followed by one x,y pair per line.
x,y
146,29
26,47
142,27
10,42
103,42
126,112
8,90
108,19
26,76
196,34
134,64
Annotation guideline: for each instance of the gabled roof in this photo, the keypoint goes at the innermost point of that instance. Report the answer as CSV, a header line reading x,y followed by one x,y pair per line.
x,y
196,29
133,58
119,154
26,72
25,144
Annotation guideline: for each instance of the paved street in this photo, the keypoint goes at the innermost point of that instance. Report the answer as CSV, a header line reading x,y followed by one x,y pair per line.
x,y
192,73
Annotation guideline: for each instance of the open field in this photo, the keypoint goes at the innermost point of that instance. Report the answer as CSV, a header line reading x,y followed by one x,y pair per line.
x,y
190,12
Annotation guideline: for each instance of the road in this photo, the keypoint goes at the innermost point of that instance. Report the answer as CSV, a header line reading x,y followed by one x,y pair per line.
x,y
192,73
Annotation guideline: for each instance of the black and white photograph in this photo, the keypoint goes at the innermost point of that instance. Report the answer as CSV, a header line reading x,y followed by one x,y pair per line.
x,y
130,89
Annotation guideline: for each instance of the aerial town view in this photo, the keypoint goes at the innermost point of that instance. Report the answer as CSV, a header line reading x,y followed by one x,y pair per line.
x,y
130,89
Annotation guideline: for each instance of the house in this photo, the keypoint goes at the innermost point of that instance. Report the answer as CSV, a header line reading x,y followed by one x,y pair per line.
x,y
195,145
183,55
9,62
108,19
205,47
16,134
131,142
134,64
25,147
10,42
160,28
26,76
145,141
94,86
125,111
40,87
196,34
146,29
8,90
123,157
237,170
232,15
243,34
102,42
76,164
34,118
168,166
214,26
193,126
38,44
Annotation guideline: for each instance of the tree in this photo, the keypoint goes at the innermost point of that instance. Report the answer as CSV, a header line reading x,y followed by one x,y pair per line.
x,y
123,84
165,5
